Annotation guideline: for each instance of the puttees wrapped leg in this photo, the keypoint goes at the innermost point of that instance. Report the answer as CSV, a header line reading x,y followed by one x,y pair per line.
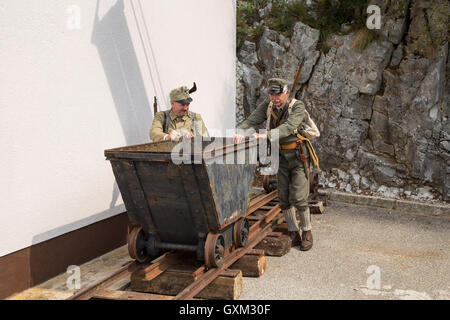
x,y
305,218
293,230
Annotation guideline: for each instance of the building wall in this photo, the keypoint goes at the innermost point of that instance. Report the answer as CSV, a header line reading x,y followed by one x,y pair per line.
x,y
79,77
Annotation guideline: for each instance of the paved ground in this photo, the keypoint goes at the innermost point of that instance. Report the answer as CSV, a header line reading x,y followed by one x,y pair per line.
x,y
410,252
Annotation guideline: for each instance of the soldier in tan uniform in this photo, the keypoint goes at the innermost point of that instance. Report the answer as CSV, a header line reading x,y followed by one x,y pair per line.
x,y
178,122
288,116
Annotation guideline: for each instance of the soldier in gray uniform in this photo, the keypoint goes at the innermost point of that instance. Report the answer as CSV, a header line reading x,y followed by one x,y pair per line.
x,y
293,174
178,122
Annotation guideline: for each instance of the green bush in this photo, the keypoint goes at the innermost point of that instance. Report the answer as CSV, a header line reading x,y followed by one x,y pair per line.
x,y
330,15
325,15
247,13
280,18
363,38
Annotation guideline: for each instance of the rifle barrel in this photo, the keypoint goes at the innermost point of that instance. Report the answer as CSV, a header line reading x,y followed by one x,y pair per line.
x,y
155,106
297,76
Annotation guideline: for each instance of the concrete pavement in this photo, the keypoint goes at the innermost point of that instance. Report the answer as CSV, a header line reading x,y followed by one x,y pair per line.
x,y
362,252
359,252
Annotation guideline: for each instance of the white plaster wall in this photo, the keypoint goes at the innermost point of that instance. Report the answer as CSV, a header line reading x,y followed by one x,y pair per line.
x,y
69,93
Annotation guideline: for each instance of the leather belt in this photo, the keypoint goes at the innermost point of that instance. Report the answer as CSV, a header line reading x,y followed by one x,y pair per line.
x,y
288,146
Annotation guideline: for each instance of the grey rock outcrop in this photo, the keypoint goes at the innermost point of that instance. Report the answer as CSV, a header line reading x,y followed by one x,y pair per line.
x,y
281,57
249,79
240,94
394,18
383,113
342,90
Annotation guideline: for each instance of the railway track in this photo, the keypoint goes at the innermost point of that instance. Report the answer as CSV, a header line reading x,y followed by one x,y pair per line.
x,y
263,215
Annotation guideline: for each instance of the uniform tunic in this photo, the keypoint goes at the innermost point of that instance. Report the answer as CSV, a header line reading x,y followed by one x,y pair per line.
x,y
196,127
293,183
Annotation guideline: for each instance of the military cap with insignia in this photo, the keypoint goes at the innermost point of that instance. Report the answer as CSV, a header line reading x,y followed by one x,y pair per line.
x,y
180,95
277,85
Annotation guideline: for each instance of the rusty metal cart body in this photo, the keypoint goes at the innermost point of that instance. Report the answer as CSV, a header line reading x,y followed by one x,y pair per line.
x,y
190,196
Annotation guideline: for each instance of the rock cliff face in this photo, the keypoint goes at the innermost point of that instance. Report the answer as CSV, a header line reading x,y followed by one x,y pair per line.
x,y
383,112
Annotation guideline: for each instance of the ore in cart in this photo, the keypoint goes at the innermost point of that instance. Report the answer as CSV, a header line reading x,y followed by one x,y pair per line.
x,y
191,196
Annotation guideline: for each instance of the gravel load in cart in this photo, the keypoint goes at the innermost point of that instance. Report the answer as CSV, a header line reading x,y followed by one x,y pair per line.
x,y
191,196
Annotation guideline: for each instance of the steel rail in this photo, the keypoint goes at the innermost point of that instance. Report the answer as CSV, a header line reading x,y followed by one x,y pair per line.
x,y
258,231
126,270
198,285
89,292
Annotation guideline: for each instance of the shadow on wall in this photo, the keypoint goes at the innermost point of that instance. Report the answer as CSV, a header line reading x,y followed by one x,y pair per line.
x,y
112,38
52,257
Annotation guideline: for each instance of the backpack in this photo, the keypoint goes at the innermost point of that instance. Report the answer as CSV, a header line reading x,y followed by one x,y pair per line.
x,y
308,127
307,130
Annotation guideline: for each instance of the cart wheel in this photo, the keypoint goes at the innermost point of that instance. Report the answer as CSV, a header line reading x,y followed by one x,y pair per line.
x,y
214,250
136,244
241,230
269,184
266,184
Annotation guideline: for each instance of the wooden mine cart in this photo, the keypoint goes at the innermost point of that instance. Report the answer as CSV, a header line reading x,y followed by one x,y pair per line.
x,y
197,205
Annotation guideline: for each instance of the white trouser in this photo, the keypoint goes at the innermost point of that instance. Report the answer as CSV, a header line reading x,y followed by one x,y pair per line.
x,y
291,219
305,219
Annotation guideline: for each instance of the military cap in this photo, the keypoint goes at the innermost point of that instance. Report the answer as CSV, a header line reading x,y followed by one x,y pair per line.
x,y
180,95
277,85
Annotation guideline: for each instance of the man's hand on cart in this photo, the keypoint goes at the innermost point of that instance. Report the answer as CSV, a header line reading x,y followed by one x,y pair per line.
x,y
178,134
238,138
259,136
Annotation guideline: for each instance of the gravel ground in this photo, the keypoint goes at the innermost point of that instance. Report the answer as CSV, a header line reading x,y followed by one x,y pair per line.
x,y
352,245
362,253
